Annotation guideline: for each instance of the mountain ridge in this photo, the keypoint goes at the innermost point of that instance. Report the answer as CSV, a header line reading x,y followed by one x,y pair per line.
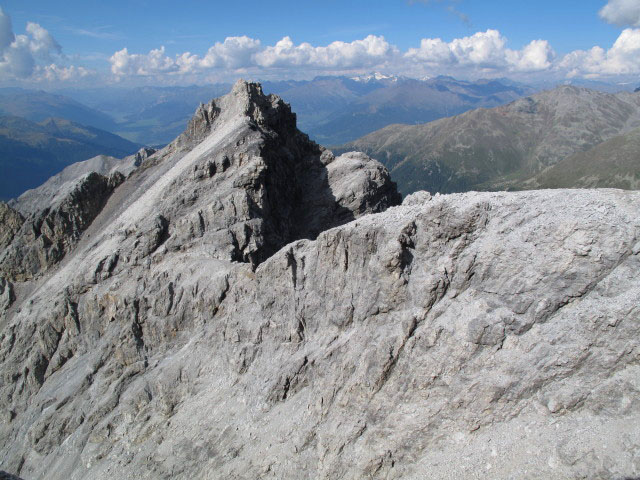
x,y
245,304
31,152
504,146
156,115
38,105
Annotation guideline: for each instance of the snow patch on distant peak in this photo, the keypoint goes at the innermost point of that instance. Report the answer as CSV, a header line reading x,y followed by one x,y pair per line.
x,y
375,76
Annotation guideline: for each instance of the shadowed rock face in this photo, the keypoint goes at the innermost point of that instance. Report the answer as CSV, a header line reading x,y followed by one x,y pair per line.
x,y
267,179
219,319
7,476
10,221
45,237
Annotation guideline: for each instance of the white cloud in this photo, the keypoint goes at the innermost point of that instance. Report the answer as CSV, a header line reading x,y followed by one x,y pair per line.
x,y
368,52
233,53
41,43
481,54
622,12
623,58
432,51
57,73
153,63
484,51
536,56
20,54
17,60
237,53
36,56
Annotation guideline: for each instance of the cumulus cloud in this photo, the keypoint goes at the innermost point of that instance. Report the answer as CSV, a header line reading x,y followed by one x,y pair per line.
x,y
17,60
233,53
35,55
482,50
536,56
31,55
622,12
623,58
370,51
247,53
152,63
41,43
58,73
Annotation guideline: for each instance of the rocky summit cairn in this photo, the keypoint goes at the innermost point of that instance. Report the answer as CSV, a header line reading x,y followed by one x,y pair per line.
x,y
246,305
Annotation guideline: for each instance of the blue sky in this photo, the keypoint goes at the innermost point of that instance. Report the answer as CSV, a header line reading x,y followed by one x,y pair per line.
x,y
79,41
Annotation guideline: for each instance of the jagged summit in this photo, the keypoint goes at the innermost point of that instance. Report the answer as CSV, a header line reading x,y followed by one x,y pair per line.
x,y
244,304
246,99
239,184
240,165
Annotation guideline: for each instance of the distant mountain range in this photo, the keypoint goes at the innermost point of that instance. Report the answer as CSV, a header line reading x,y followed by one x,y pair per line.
x,y
568,137
36,105
510,147
409,101
332,110
32,152
148,115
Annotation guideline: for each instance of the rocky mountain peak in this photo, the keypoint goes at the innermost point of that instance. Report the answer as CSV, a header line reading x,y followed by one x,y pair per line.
x,y
246,100
241,179
142,154
244,304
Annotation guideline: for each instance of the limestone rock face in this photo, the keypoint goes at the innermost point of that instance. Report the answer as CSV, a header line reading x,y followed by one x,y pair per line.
x,y
7,295
10,223
247,305
60,185
46,236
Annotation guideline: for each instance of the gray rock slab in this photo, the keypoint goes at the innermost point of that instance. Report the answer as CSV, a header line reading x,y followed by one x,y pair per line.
x,y
246,305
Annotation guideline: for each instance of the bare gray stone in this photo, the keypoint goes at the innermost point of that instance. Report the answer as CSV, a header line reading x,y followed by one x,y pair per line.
x,y
7,295
242,307
46,236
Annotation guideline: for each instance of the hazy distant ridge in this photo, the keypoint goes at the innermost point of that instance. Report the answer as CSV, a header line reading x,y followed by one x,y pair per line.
x,y
505,147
